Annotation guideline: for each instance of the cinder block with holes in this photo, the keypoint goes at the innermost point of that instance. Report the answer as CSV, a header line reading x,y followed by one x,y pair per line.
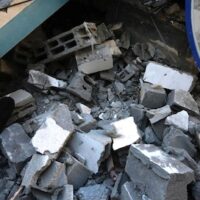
x,y
67,43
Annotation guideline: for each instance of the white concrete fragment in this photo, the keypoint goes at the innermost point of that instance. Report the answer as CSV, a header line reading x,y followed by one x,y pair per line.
x,y
44,81
50,137
93,146
167,77
179,120
89,62
126,133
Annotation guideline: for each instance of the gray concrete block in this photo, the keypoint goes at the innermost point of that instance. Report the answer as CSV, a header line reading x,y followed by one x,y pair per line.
x,y
34,169
156,174
83,109
152,96
93,146
175,138
156,115
182,100
79,87
77,174
94,192
53,177
88,124
67,43
16,146
129,193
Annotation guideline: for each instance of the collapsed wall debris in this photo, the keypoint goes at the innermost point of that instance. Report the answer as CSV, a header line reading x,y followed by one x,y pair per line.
x,y
102,117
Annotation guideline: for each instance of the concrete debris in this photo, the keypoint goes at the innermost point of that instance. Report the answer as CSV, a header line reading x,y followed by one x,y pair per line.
x,y
177,139
152,96
103,33
79,87
34,169
107,75
73,170
50,138
53,177
129,193
148,165
67,43
180,99
94,192
63,193
24,105
15,145
168,78
76,118
179,120
92,61
88,124
111,44
94,147
105,117
126,133
44,81
83,109
156,115
128,72
59,112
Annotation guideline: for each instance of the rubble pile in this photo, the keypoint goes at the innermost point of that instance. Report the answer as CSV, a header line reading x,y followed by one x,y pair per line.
x,y
114,124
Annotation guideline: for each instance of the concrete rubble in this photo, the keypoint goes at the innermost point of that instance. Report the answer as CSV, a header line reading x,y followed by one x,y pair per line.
x,y
101,111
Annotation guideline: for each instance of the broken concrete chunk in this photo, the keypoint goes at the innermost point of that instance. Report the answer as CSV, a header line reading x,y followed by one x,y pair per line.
x,y
62,116
74,170
67,193
168,78
80,87
24,105
166,177
15,145
91,61
103,33
111,44
93,192
126,133
128,192
150,137
177,139
44,81
83,109
152,96
127,73
50,138
119,87
53,177
88,124
93,146
155,115
34,169
107,75
21,98
179,120
182,100
62,193
76,118
159,128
